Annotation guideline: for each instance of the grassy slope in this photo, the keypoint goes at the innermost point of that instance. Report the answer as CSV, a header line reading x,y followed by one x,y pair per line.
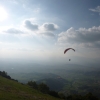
x,y
11,90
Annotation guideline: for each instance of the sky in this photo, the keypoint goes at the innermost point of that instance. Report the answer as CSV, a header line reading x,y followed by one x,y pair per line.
x,y
40,30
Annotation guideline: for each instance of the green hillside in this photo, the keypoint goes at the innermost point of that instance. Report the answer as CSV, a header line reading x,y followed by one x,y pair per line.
x,y
12,90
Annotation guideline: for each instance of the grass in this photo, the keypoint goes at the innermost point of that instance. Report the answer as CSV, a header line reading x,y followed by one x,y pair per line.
x,y
11,90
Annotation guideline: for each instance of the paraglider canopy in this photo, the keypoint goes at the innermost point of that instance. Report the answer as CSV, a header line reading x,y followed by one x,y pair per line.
x,y
68,49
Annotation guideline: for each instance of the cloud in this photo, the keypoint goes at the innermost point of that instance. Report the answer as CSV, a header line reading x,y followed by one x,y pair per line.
x,y
85,37
30,25
50,26
28,28
13,31
97,9
47,34
47,29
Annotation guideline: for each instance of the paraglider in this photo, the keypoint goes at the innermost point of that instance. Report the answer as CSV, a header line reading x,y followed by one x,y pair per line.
x,y
68,49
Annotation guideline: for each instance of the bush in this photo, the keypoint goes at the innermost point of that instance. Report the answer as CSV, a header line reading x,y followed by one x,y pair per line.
x,y
33,84
43,88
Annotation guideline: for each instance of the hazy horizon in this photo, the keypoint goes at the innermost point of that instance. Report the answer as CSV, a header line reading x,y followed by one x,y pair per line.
x,y
38,31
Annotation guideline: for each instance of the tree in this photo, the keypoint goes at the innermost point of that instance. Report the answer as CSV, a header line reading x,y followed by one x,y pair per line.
x,y
90,96
43,88
62,96
54,93
75,97
4,74
33,84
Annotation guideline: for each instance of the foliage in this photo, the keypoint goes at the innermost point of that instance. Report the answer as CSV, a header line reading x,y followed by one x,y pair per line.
x,y
4,74
88,96
55,84
43,88
12,90
33,84
54,93
61,95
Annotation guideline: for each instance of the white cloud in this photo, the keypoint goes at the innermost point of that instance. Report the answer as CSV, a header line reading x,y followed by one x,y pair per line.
x,y
47,34
82,37
13,31
49,26
29,25
97,9
45,29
